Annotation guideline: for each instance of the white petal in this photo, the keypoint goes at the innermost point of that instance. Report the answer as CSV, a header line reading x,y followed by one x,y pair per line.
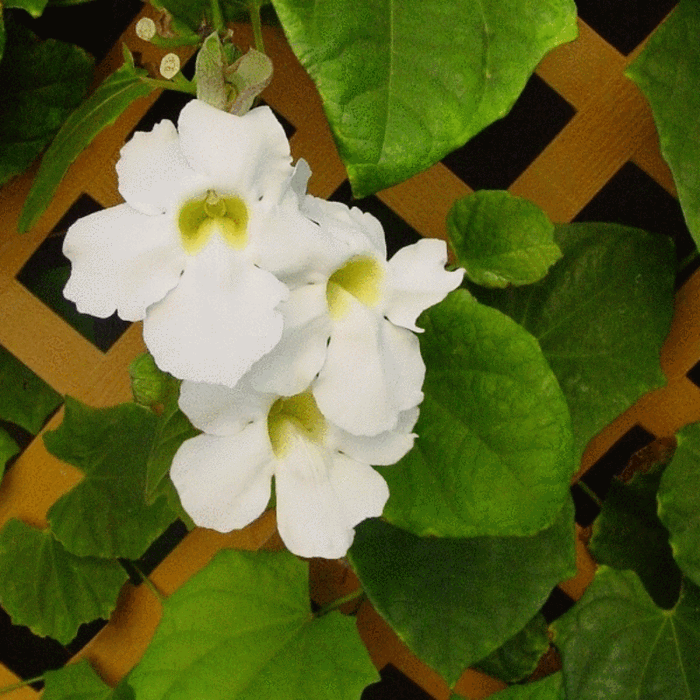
x,y
218,321
338,217
224,482
247,156
344,238
417,279
321,496
383,449
373,371
121,260
300,178
290,367
220,410
287,243
153,172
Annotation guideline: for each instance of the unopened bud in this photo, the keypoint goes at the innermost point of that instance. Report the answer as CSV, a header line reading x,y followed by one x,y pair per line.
x,y
170,65
145,28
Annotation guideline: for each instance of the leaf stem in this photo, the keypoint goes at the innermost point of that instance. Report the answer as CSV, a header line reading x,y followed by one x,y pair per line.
x,y
257,25
149,584
217,17
590,493
338,603
179,85
21,684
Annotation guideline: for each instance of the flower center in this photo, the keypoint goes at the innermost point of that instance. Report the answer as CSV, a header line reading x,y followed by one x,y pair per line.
x,y
199,218
361,278
296,415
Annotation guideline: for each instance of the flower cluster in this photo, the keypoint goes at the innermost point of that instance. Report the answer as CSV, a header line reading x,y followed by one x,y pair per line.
x,y
292,333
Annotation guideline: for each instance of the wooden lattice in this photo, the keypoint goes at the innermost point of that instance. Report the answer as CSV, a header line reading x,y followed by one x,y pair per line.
x,y
612,126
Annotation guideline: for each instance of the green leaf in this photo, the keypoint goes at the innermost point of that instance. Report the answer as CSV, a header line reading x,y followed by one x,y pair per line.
x,y
153,387
629,535
494,453
25,399
241,629
616,644
668,73
41,83
405,83
8,449
50,590
209,72
106,514
601,316
679,501
33,7
517,659
102,108
79,682
150,385
454,601
500,239
549,688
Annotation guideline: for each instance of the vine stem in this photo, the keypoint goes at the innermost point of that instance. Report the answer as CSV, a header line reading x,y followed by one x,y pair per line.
x,y
591,493
217,17
183,85
149,584
21,684
257,25
334,605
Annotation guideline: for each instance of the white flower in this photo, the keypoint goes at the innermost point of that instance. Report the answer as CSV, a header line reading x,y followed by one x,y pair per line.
x,y
349,334
324,485
194,250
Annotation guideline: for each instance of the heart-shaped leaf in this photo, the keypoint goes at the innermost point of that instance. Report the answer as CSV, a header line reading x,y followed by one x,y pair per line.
x,y
454,601
668,73
500,239
612,288
616,644
242,629
50,590
405,83
494,454
106,514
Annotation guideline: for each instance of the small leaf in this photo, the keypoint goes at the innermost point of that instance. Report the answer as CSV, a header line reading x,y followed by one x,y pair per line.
x,y
404,84
500,239
249,76
612,288
150,385
454,601
106,514
668,73
50,590
41,83
629,535
242,629
616,644
517,658
77,681
209,72
8,449
102,108
679,501
25,399
549,688
494,452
